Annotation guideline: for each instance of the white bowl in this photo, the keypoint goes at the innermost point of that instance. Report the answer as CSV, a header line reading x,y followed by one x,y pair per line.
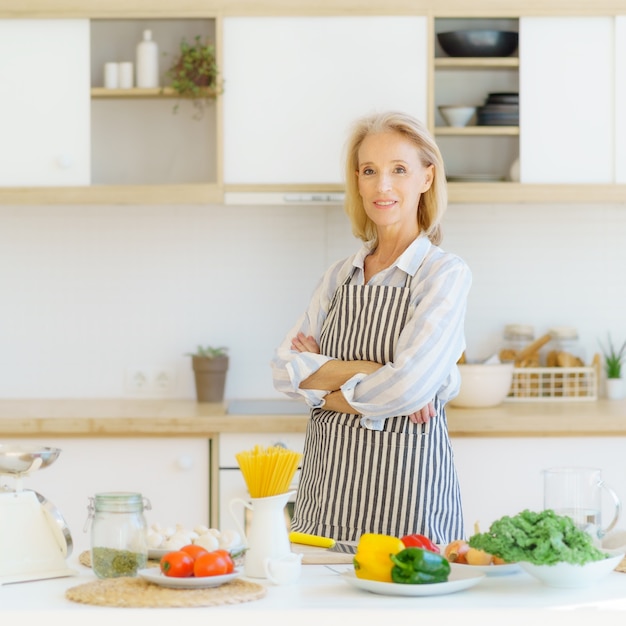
x,y
567,575
455,115
483,385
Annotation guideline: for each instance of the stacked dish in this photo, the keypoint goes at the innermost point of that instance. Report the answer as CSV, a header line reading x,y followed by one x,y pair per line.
x,y
500,109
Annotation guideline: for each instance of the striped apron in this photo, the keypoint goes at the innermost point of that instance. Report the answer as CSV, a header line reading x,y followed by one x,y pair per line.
x,y
354,480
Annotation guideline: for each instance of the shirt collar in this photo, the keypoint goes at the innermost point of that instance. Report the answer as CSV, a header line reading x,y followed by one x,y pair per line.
x,y
409,261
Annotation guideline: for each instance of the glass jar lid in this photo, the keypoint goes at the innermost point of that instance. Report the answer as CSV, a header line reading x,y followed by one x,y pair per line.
x,y
519,331
563,332
119,501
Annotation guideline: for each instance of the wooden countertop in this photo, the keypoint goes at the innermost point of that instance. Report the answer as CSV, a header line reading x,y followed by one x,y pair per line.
x,y
94,417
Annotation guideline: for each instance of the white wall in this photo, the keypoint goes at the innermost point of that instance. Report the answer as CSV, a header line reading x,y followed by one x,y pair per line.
x,y
92,292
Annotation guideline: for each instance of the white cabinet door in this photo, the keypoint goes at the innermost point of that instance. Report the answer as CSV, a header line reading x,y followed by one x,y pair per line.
x,y
172,473
504,476
45,122
620,99
292,87
566,99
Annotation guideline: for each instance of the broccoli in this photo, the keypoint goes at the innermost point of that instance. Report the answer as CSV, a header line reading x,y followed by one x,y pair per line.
x,y
543,538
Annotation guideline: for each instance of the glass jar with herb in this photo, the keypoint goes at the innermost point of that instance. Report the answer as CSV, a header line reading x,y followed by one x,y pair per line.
x,y
119,533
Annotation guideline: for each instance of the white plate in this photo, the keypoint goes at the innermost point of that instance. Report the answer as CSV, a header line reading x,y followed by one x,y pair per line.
x,y
154,575
157,554
459,579
492,570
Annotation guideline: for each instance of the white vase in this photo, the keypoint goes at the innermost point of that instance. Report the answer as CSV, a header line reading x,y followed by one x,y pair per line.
x,y
614,388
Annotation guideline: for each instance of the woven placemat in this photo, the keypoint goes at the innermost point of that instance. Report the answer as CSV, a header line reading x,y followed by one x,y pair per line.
x,y
84,558
139,593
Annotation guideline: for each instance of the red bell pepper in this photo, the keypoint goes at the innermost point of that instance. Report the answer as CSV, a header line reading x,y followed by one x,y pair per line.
x,y
420,541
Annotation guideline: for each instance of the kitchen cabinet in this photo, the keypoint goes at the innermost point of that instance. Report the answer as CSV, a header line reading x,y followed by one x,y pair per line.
x,y
172,473
474,153
117,155
504,476
44,90
620,99
567,100
295,84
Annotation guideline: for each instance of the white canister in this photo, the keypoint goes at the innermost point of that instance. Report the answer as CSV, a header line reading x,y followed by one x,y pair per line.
x,y
147,61
111,75
126,75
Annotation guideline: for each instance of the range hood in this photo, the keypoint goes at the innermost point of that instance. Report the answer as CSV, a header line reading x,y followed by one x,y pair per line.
x,y
311,198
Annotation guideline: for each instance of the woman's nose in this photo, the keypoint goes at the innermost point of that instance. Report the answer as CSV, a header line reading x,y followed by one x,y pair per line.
x,y
384,182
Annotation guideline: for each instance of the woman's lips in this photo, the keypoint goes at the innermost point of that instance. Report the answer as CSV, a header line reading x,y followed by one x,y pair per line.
x,y
384,204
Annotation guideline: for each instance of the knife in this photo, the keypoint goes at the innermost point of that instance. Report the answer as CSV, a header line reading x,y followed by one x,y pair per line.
x,y
322,542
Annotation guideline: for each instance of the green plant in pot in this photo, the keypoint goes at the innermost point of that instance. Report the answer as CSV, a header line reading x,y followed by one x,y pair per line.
x,y
210,365
613,361
193,74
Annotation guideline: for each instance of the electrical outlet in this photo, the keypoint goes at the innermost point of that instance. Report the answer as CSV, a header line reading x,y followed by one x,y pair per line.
x,y
163,380
136,380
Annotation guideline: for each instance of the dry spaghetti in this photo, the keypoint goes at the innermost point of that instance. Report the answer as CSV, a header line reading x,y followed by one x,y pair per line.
x,y
268,471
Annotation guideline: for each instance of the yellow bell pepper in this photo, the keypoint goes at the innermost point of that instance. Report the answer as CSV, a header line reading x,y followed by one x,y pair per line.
x,y
372,560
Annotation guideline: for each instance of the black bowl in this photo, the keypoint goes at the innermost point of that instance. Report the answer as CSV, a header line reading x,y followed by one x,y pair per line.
x,y
479,43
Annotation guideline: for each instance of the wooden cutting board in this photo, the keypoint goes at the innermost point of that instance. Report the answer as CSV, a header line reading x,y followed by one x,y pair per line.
x,y
312,555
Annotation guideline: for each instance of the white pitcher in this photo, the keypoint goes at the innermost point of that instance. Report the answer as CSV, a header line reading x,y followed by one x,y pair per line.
x,y
268,537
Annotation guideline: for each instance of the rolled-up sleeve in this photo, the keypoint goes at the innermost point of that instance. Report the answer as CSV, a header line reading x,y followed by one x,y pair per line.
x,y
290,367
429,346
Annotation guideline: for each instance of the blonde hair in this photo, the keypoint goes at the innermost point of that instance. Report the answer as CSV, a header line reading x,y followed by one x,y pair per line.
x,y
432,203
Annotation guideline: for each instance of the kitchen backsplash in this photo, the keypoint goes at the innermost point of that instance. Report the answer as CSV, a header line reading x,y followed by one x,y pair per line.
x,y
94,293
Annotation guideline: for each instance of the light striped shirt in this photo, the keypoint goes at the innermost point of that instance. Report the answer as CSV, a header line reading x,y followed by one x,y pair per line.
x,y
429,346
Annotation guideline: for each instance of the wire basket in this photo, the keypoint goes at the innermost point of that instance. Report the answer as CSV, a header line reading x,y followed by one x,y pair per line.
x,y
553,383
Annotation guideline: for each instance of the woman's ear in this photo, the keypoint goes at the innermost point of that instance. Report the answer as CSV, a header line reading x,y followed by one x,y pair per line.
x,y
429,176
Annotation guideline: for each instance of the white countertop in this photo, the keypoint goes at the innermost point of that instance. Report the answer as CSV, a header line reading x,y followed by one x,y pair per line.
x,y
321,596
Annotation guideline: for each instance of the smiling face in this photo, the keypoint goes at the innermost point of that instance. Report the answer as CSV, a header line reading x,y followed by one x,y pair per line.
x,y
391,179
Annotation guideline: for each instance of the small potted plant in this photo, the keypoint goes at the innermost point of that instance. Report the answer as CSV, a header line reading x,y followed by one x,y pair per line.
x,y
193,74
210,365
613,361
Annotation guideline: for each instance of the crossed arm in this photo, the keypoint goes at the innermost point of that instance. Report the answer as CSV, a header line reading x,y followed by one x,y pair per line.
x,y
335,373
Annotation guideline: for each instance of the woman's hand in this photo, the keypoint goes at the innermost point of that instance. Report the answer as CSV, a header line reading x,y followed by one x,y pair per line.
x,y
302,343
424,414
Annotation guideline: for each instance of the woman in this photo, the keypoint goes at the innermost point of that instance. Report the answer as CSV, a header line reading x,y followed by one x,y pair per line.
x,y
375,353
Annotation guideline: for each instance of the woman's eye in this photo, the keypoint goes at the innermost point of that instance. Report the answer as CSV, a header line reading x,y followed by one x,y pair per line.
x,y
400,169
367,171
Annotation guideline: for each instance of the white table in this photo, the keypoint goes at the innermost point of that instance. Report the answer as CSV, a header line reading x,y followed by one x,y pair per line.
x,y
322,597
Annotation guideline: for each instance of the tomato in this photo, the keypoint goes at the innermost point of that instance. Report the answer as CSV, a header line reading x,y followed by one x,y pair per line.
x,y
229,560
216,563
177,564
194,551
420,541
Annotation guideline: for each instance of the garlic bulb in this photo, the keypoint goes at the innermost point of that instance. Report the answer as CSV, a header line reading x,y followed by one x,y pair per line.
x,y
207,541
229,539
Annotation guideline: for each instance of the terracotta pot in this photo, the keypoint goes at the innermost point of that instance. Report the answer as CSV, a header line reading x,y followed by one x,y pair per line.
x,y
210,375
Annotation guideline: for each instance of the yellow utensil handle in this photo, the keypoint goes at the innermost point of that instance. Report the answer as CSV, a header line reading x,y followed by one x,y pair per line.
x,y
311,540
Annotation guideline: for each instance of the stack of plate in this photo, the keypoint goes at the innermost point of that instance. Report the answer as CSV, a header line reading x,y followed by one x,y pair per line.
x,y
500,109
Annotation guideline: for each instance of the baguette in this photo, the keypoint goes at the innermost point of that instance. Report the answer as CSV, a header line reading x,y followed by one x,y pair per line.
x,y
531,348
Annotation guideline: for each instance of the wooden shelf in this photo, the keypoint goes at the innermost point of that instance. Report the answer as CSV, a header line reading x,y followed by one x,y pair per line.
x,y
477,131
114,194
139,92
478,63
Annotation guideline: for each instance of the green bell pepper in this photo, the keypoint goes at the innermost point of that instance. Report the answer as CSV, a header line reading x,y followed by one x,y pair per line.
x,y
415,566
